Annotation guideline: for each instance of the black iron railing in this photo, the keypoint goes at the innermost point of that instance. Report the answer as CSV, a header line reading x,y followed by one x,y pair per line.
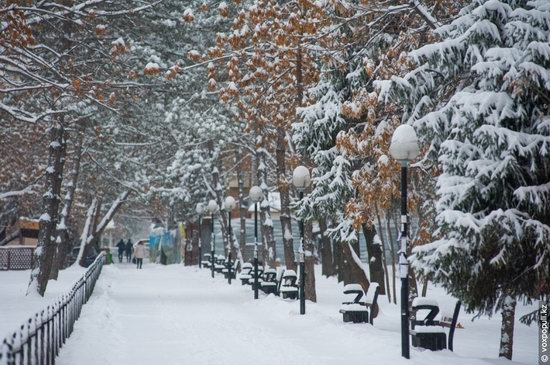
x,y
38,340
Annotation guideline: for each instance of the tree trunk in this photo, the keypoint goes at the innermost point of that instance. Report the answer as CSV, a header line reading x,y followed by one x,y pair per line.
x,y
507,329
63,227
93,238
243,211
425,287
354,272
374,252
45,250
339,260
96,229
86,231
326,250
269,253
220,200
384,266
191,232
311,293
283,186
393,256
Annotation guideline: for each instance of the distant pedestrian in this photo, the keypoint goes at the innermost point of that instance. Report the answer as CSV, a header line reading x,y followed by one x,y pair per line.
x,y
129,249
139,254
121,247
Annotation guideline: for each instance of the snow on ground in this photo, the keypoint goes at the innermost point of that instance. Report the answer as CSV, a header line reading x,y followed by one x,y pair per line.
x,y
16,307
179,315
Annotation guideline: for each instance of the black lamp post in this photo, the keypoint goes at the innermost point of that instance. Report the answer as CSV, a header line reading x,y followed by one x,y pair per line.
x,y
301,181
256,195
230,204
200,211
213,209
404,148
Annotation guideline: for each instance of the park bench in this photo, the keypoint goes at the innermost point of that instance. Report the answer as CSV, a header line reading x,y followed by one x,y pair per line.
x,y
244,275
362,307
219,264
260,277
234,269
279,279
269,282
430,333
289,288
207,261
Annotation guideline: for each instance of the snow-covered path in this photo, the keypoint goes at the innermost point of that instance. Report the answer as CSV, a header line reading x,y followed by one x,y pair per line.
x,y
176,315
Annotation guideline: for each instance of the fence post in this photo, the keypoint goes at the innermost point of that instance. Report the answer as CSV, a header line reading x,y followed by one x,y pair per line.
x,y
29,341
42,352
21,345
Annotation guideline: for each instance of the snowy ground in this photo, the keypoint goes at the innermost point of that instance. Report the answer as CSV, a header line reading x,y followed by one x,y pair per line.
x,y
16,307
179,315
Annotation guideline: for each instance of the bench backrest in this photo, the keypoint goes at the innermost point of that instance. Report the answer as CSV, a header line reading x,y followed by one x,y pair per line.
x,y
453,324
372,294
279,279
246,270
420,303
289,278
260,272
270,275
354,290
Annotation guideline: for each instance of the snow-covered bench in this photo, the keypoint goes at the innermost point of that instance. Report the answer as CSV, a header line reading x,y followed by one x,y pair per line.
x,y
219,263
289,289
245,276
357,309
234,268
269,282
428,332
260,277
207,262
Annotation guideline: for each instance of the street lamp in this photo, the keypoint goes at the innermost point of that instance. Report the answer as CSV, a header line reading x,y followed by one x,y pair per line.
x,y
200,211
230,204
404,148
256,195
301,181
213,209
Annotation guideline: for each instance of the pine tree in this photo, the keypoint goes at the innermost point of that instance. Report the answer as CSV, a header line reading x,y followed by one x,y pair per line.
x,y
479,100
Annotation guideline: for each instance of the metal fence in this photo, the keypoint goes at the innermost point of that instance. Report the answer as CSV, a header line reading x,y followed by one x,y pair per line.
x,y
39,339
16,258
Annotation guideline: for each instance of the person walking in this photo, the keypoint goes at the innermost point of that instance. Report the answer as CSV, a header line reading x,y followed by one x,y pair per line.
x,y
139,254
129,249
121,247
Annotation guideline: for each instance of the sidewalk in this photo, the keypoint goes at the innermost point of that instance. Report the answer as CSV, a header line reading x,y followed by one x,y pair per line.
x,y
165,315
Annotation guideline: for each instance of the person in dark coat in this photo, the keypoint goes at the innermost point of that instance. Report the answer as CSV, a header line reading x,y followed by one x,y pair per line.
x,y
121,247
129,249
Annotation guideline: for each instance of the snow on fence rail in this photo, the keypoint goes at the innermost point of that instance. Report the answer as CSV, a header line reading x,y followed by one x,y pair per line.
x,y
39,339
